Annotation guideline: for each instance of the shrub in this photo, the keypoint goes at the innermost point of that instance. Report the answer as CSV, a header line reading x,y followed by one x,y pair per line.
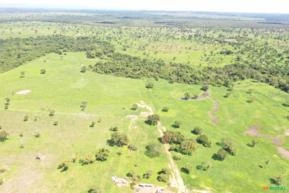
x,y
205,88
118,139
3,135
132,147
197,131
204,140
203,166
62,167
51,113
42,71
165,109
176,124
147,175
276,180
83,69
93,190
134,107
227,145
92,124
149,85
185,170
172,137
163,175
85,161
37,135
187,147
83,105
102,154
153,119
187,96
25,119
220,155
153,150
114,129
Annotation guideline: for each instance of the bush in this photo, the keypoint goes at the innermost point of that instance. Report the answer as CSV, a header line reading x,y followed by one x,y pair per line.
x,y
185,170
187,96
197,131
276,180
62,167
92,124
163,175
86,161
83,69
102,154
132,147
42,71
114,129
51,113
220,155
147,175
172,137
153,150
118,139
25,119
149,85
205,88
165,109
204,140
3,135
227,145
203,166
187,147
153,119
93,190
134,107
176,124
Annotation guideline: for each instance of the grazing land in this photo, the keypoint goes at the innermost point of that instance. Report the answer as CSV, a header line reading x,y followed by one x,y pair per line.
x,y
117,102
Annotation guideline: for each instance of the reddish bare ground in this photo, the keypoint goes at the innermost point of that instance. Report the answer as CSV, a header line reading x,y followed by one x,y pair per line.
x,y
253,131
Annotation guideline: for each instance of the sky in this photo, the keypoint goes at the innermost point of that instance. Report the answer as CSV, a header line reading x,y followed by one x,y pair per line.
x,y
253,6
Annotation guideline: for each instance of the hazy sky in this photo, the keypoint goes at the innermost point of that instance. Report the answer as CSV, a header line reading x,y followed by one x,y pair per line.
x,y
277,6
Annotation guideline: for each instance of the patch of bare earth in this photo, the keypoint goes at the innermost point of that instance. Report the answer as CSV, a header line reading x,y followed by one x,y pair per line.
x,y
29,176
253,131
283,152
276,140
204,95
23,92
212,113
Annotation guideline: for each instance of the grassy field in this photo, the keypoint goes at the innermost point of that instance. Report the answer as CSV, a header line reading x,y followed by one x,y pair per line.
x,y
109,99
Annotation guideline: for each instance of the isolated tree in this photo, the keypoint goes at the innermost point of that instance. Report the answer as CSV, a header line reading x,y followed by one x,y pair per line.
x,y
118,139
187,147
204,140
102,154
220,155
153,119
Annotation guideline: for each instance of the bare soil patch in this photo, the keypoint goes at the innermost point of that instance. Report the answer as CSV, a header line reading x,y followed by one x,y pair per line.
x,y
212,113
284,152
23,92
